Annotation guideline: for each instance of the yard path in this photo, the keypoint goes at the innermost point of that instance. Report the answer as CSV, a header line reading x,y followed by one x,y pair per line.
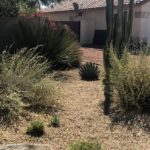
x,y
92,55
81,109
83,118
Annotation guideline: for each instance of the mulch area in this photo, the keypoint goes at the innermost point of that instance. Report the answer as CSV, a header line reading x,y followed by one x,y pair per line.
x,y
94,55
81,117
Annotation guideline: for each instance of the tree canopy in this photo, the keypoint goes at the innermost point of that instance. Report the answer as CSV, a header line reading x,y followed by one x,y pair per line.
x,y
11,8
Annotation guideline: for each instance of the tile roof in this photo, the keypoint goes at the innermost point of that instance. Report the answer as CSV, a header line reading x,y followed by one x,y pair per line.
x,y
67,5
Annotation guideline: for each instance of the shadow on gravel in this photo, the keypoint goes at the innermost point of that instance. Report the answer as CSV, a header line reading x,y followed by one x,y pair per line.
x,y
43,110
60,76
130,119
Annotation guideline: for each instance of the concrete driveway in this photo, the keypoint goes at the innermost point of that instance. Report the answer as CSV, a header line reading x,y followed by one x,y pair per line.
x,y
94,55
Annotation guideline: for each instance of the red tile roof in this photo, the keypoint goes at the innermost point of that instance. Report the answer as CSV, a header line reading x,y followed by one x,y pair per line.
x,y
67,5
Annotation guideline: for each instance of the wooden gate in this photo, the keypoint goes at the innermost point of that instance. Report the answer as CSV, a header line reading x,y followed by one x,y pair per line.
x,y
100,37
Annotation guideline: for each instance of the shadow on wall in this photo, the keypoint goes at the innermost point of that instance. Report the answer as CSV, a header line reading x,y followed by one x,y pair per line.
x,y
99,40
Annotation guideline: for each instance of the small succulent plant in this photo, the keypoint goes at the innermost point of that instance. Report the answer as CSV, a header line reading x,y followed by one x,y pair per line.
x,y
89,71
85,145
55,121
36,128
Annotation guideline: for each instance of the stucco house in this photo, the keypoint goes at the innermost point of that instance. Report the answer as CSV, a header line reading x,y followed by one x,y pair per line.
x,y
88,19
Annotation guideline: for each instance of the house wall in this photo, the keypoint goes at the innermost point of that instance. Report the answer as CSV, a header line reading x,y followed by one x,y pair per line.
x,y
94,19
91,20
141,24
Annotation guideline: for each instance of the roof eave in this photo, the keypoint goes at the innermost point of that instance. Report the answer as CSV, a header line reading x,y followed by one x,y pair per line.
x,y
84,9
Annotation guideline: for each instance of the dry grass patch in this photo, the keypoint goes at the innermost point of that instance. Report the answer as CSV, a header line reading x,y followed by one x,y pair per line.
x,y
81,117
24,81
131,81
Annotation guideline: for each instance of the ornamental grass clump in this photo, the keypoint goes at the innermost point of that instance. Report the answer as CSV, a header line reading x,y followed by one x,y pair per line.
x,y
130,77
21,70
55,121
10,107
44,94
85,145
36,129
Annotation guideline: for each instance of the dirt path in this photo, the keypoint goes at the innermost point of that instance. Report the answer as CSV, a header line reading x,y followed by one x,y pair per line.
x,y
81,113
83,118
92,54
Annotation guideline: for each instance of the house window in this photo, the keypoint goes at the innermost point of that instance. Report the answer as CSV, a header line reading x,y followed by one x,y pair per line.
x,y
141,14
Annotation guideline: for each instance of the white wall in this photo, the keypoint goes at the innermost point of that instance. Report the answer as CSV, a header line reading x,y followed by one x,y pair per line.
x,y
94,19
91,20
141,25
87,32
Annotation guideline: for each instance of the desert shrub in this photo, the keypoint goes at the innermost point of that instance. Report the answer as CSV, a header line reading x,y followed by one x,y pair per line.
x,y
25,73
136,46
85,145
44,93
55,122
36,128
131,81
58,44
9,107
21,70
89,71
18,74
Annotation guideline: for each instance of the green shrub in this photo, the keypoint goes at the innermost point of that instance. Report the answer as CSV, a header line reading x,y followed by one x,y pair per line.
x,y
36,129
57,42
89,71
81,145
55,122
9,107
131,81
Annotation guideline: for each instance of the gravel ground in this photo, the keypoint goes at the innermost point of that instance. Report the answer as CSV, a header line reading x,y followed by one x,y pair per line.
x,y
81,117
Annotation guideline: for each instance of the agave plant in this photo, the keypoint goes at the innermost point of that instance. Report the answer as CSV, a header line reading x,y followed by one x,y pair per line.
x,y
89,71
